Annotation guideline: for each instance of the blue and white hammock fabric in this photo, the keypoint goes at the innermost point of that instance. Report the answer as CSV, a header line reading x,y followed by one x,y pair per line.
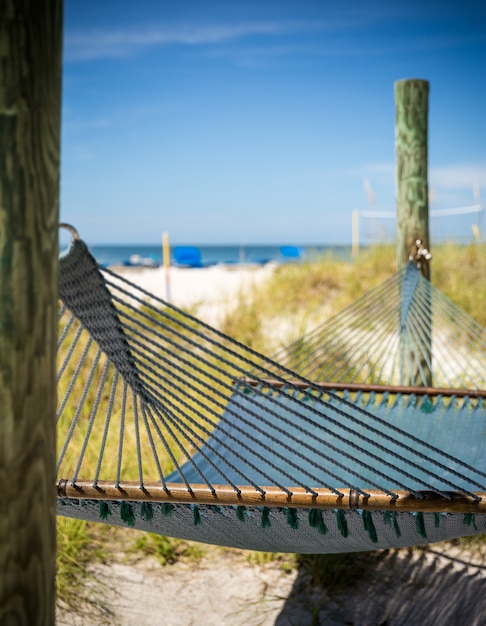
x,y
368,433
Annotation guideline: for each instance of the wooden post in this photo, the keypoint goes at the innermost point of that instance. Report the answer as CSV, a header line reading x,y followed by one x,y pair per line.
x,y
411,142
355,234
30,97
166,263
411,137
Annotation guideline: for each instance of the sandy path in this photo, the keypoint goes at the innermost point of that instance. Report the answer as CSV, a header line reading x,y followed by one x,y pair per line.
x,y
212,290
219,591
438,585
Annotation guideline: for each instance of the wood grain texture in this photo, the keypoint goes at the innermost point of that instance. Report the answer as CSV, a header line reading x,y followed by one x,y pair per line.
x,y
411,149
30,98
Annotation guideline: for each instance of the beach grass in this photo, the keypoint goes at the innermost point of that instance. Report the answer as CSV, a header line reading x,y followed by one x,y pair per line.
x,y
337,572
306,294
78,590
167,550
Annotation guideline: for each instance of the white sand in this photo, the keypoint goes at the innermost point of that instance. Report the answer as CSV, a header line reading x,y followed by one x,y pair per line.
x,y
437,585
209,291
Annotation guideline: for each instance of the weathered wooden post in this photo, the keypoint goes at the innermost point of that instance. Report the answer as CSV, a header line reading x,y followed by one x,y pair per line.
x,y
411,147
30,97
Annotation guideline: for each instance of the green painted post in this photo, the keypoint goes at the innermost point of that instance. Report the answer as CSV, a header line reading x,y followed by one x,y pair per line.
x,y
30,99
411,147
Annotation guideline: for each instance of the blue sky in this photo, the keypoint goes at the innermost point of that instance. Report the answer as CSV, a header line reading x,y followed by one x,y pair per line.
x,y
249,121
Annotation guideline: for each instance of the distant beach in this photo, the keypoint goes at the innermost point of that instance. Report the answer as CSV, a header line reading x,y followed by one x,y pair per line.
x,y
214,254
226,273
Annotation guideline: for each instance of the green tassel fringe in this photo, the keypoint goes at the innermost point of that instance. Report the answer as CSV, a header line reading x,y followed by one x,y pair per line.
x,y
167,508
147,511
266,523
240,513
470,520
292,518
420,525
104,510
316,521
126,513
390,518
369,526
197,516
342,522
396,527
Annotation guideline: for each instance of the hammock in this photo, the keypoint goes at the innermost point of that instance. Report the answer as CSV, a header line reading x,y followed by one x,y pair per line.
x,y
404,332
167,425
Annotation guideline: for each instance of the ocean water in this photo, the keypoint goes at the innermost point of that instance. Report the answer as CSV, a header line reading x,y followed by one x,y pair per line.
x,y
213,254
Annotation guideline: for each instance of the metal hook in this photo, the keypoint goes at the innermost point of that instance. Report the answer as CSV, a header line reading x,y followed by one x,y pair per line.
x,y
71,229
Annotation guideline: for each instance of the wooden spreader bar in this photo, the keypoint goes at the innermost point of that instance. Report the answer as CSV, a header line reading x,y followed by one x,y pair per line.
x,y
403,389
225,495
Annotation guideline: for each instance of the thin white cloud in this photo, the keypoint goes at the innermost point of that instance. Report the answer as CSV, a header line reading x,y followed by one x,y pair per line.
x,y
96,44
445,177
381,173
126,42
459,176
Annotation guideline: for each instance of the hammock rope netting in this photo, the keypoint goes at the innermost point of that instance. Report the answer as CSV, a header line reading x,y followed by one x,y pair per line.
x,y
366,433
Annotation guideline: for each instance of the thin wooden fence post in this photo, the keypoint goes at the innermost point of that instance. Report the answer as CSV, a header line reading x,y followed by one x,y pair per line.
x,y
355,234
166,263
411,147
30,98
